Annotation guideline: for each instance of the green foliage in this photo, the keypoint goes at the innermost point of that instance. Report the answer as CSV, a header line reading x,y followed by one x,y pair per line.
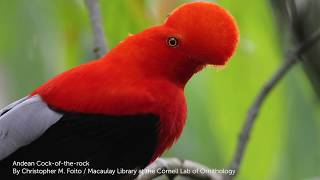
x,y
39,39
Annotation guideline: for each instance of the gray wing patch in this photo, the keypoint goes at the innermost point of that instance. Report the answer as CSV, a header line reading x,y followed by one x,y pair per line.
x,y
10,106
23,122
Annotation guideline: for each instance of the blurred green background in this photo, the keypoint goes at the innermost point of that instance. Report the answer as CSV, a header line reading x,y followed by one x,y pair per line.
x,y
41,38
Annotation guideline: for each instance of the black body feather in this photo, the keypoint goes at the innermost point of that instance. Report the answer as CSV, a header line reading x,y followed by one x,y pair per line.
x,y
106,142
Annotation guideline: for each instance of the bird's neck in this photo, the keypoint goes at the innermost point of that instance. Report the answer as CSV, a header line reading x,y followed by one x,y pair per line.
x,y
177,69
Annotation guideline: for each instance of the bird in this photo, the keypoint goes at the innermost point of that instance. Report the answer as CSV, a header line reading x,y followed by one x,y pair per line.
x,y
121,111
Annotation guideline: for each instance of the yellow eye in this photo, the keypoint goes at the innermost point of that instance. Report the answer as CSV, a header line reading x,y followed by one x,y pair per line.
x,y
172,42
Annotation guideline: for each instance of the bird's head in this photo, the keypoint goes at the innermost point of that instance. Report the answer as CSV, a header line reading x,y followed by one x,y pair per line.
x,y
204,31
194,35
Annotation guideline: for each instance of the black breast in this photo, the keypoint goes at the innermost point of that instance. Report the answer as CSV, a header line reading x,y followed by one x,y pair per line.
x,y
106,142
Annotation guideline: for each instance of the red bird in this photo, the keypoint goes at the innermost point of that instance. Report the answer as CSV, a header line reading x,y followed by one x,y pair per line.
x,y
124,110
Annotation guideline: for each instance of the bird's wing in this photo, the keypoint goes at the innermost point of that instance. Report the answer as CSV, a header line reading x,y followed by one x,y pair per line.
x,y
30,131
24,121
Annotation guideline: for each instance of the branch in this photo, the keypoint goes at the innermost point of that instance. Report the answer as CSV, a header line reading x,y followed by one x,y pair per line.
x,y
290,60
174,163
178,166
100,46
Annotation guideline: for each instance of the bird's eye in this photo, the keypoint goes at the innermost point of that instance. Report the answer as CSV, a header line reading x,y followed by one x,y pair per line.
x,y
172,42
